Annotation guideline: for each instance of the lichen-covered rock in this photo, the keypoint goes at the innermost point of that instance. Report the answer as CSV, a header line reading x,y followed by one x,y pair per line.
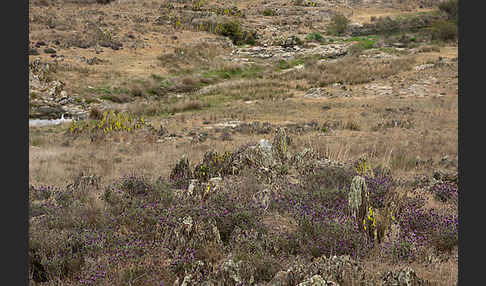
x,y
341,269
403,277
358,198
193,234
291,42
47,97
256,157
446,176
317,92
335,270
265,146
315,280
280,145
235,273
305,161
197,274
262,198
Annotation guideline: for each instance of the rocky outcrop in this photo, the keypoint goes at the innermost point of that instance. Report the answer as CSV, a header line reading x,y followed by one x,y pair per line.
x,y
235,273
335,270
358,198
284,51
403,277
192,234
315,280
317,92
47,97
388,24
280,145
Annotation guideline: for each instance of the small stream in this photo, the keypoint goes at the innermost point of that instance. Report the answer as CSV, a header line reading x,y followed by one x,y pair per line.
x,y
48,122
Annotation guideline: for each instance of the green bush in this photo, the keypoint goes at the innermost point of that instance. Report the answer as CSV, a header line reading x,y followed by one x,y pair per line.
x,y
235,32
314,36
451,8
269,12
363,44
356,49
444,31
339,25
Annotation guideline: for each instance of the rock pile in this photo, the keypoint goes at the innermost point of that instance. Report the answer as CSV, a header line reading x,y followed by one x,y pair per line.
x,y
286,51
47,97
403,277
335,270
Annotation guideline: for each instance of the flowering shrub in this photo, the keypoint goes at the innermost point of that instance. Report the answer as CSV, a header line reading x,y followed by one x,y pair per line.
x,y
420,227
446,236
135,185
230,211
380,186
415,222
445,192
110,122
324,225
329,178
333,238
402,249
75,237
183,261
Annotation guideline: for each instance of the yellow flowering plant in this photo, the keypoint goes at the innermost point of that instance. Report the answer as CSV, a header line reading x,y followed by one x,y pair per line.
x,y
110,122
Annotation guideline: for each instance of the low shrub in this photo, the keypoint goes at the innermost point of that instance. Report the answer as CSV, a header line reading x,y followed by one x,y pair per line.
x,y
269,12
314,36
329,178
350,70
324,237
338,25
135,185
446,236
235,32
444,31
451,8
111,122
380,186
445,192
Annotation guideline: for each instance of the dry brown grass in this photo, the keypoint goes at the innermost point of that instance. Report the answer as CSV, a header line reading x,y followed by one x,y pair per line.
x,y
252,89
442,273
352,70
53,164
191,55
434,136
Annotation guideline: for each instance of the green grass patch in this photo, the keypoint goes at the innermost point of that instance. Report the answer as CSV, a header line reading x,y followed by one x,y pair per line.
x,y
283,64
314,36
106,90
392,51
253,71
